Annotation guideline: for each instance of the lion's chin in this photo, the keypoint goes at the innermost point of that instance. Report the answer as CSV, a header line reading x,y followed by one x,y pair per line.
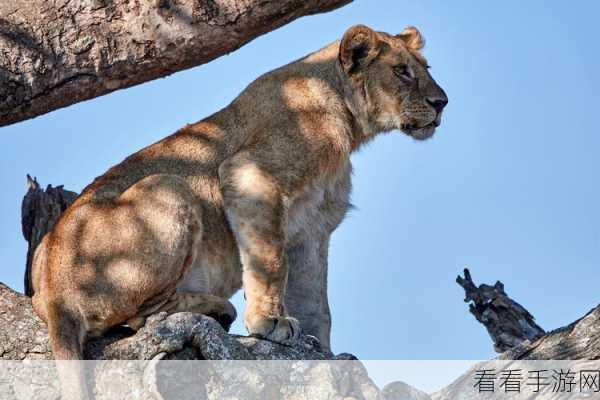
x,y
421,133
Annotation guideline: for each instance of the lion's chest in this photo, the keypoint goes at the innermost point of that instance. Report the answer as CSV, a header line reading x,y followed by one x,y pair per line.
x,y
305,215
319,209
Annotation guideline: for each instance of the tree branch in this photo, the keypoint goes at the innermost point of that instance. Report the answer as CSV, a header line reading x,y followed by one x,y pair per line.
x,y
54,54
508,323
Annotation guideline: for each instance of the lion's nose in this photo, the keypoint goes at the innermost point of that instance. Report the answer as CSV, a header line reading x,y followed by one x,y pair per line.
x,y
437,104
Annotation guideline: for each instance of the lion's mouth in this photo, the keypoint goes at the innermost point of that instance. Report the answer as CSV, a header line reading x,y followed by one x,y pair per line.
x,y
420,133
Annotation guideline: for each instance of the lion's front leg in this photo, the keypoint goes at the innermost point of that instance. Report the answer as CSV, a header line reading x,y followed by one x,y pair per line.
x,y
254,207
306,295
307,254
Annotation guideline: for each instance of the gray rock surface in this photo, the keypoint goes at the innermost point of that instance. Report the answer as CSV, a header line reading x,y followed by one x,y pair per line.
x,y
403,391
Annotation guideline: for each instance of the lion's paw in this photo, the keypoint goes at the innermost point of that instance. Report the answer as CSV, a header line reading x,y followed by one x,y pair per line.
x,y
278,329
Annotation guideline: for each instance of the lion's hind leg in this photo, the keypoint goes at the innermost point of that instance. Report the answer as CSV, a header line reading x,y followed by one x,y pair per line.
x,y
125,257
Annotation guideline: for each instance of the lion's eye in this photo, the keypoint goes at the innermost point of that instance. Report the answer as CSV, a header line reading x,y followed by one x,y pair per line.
x,y
402,71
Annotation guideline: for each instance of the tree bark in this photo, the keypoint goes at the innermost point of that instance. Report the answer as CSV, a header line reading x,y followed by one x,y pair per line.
x,y
181,336
186,336
59,52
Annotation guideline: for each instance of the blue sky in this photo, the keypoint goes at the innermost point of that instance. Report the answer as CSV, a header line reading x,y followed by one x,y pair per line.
x,y
508,186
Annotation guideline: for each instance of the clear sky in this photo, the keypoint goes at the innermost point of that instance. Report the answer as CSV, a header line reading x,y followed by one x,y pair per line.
x,y
508,186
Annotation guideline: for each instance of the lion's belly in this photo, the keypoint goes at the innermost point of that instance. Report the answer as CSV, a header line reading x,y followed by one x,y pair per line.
x,y
217,269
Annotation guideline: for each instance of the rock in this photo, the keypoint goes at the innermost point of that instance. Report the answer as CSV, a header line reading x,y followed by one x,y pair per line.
x,y
402,391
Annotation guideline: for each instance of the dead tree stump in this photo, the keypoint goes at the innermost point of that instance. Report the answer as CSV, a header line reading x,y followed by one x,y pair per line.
x,y
39,212
508,323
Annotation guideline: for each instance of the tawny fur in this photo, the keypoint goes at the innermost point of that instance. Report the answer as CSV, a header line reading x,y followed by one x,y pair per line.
x,y
251,193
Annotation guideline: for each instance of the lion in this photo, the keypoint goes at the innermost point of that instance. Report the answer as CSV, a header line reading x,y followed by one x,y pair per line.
x,y
248,196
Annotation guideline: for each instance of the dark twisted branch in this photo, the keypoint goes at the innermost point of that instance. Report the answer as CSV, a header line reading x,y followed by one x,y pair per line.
x,y
40,210
508,323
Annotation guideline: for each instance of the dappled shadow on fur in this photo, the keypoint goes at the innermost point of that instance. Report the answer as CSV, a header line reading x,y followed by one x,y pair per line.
x,y
298,140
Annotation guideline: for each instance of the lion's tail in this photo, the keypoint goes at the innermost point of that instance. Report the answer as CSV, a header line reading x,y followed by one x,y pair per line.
x,y
66,338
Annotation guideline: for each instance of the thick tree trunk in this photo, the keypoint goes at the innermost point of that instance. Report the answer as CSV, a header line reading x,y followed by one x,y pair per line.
x,y
54,53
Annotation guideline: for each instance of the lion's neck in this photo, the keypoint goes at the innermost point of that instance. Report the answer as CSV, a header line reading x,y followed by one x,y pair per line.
x,y
354,97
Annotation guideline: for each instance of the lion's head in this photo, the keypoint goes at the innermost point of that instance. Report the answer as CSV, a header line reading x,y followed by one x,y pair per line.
x,y
391,78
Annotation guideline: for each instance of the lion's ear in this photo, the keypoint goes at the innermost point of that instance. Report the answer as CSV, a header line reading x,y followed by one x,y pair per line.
x,y
359,46
412,38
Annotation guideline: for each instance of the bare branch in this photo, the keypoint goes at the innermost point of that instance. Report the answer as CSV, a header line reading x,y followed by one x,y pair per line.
x,y
54,54
507,322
